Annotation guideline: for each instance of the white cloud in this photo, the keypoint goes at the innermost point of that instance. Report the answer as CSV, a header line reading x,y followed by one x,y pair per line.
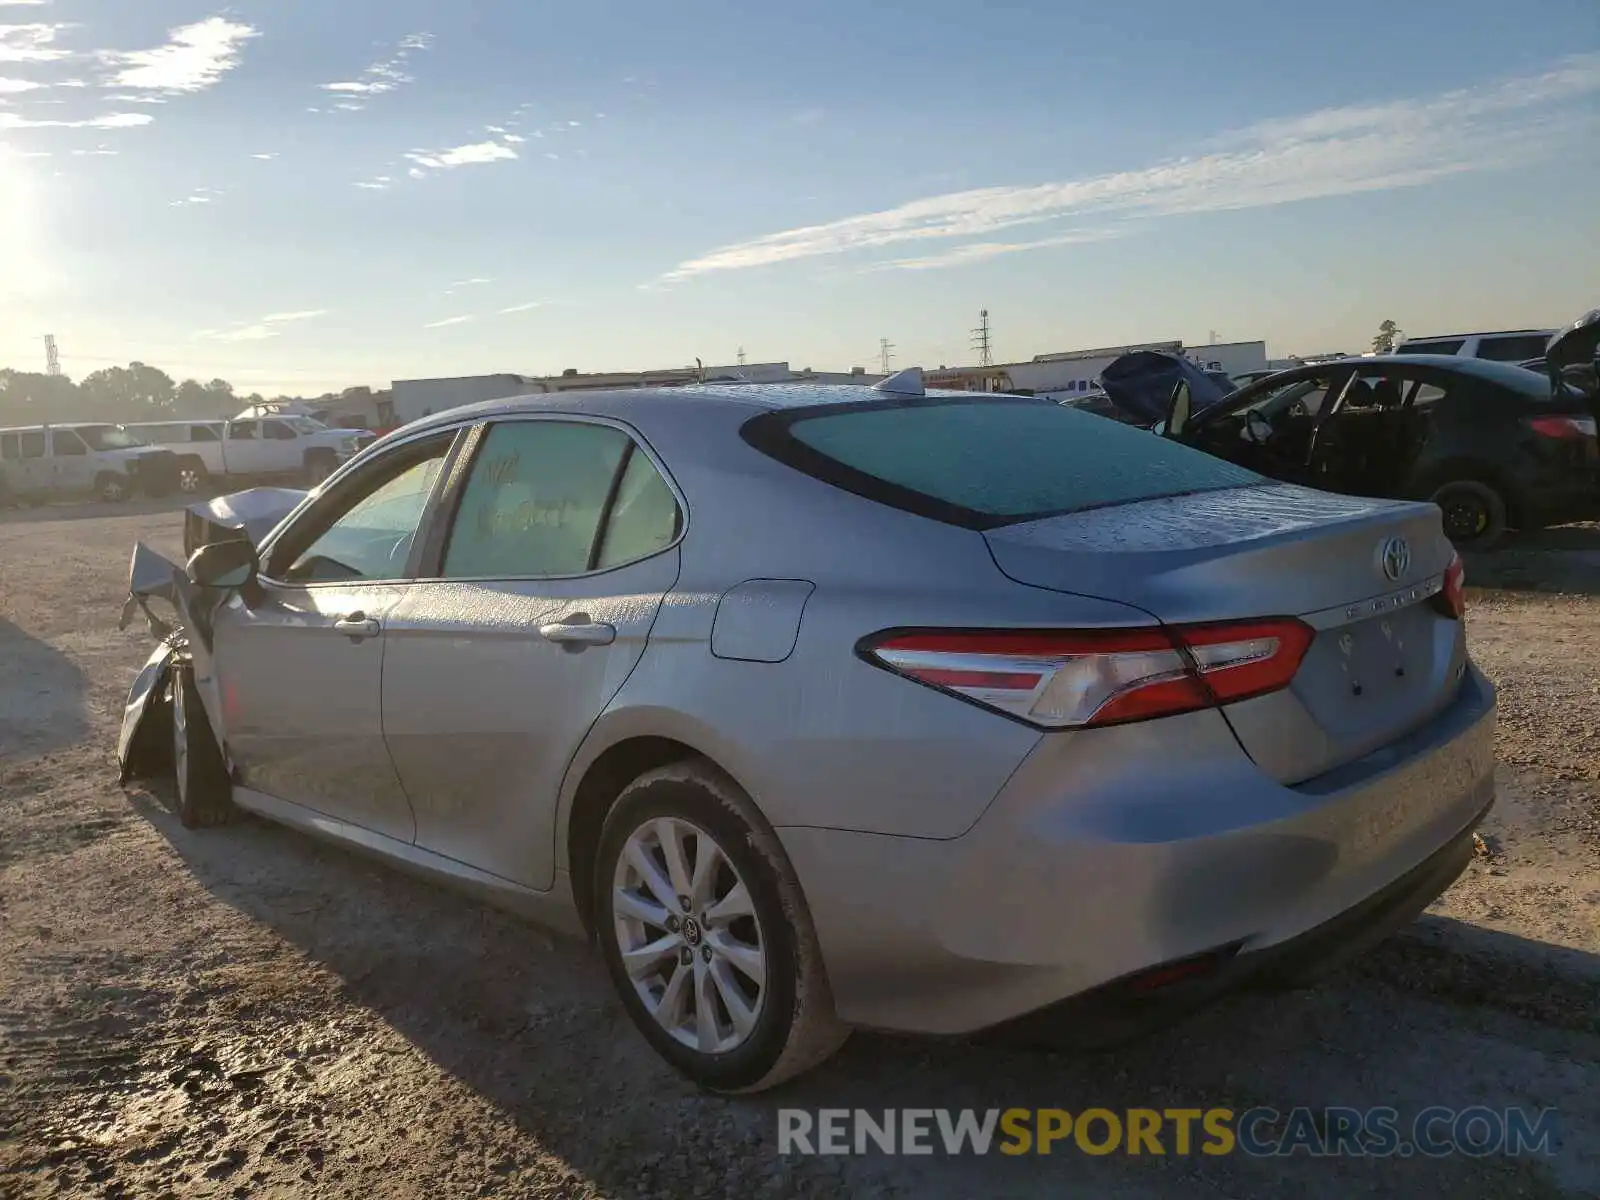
x,y
31,43
97,152
302,315
472,154
381,77
12,86
476,282
21,3
983,251
259,331
450,321
194,58
808,116
264,157
522,308
109,121
380,184
1333,152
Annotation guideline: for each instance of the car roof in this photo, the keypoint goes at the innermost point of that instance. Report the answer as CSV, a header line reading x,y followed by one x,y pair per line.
x,y
664,402
1440,337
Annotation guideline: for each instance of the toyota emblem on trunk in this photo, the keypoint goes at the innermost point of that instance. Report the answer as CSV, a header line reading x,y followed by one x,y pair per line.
x,y
1395,557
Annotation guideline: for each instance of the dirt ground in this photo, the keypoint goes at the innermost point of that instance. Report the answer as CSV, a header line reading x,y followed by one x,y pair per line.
x,y
245,1012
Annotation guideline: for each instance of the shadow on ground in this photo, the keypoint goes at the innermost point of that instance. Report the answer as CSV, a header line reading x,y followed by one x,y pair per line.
x,y
91,510
1563,559
42,703
529,1022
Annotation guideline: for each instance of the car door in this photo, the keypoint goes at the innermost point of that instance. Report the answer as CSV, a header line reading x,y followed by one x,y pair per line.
x,y
31,475
299,658
71,466
243,450
1268,426
561,542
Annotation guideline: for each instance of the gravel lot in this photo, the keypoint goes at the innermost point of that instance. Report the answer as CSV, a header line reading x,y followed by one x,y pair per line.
x,y
246,1012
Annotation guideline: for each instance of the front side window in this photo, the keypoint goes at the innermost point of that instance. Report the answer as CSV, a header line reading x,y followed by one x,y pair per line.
x,y
533,503
987,462
63,442
1449,346
110,437
33,443
370,537
279,431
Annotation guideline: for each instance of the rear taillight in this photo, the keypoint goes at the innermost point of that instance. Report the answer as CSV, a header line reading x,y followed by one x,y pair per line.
x,y
1452,597
1063,679
1562,427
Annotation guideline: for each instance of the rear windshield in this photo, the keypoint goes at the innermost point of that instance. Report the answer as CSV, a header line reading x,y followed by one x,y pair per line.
x,y
987,462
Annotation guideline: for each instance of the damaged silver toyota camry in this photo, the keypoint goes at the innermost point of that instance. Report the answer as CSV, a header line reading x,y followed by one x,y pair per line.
x,y
829,707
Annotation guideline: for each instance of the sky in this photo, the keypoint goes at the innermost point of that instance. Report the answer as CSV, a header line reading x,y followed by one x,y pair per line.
x,y
302,195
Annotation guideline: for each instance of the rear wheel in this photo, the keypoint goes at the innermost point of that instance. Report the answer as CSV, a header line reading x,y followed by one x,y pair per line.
x,y
1474,513
204,791
192,476
706,933
319,467
113,489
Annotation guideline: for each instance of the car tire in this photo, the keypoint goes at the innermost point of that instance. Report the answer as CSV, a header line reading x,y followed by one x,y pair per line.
x,y
204,792
1474,513
319,467
113,489
764,926
192,476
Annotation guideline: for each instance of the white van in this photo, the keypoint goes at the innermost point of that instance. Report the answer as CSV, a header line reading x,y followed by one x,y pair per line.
x,y
39,463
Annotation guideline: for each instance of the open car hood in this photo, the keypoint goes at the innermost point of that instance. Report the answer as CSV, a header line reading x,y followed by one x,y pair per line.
x,y
250,514
1577,344
1141,384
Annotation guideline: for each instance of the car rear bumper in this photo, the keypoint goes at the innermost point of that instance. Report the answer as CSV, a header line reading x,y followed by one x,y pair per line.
x,y
1114,851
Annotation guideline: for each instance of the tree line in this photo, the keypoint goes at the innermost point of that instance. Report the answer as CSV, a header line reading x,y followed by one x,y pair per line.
x,y
136,392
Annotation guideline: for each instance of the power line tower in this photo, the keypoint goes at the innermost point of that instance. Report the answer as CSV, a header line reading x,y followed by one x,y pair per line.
x,y
980,340
52,360
885,354
741,356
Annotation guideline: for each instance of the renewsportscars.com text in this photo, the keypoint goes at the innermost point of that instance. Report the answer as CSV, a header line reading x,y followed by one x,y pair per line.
x,y
1258,1132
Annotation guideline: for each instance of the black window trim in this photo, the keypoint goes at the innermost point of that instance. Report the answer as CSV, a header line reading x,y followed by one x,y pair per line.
x,y
769,433
431,562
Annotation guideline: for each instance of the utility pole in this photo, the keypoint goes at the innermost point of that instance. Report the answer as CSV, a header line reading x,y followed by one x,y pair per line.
x,y
980,340
52,360
741,356
885,346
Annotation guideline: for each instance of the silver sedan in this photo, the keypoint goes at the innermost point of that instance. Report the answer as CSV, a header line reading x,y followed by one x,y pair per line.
x,y
829,707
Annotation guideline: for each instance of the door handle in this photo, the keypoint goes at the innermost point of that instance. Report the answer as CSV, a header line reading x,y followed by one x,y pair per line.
x,y
578,631
357,626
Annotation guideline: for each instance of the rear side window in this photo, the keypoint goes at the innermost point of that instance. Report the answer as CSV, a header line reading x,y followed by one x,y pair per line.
x,y
202,433
1447,347
8,446
1512,349
33,444
983,463
533,503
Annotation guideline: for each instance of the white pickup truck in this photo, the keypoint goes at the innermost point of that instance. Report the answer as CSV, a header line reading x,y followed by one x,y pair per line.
x,y
279,448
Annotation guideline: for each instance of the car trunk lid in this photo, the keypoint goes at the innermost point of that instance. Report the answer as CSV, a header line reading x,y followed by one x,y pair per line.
x,y
1361,572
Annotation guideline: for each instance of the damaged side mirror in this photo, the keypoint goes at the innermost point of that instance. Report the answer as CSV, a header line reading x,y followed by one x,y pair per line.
x,y
227,564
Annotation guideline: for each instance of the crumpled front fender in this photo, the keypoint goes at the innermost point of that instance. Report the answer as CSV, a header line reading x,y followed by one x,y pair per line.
x,y
144,747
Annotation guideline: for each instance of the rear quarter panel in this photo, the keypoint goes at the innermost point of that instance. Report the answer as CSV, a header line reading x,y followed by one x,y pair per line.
x,y
824,738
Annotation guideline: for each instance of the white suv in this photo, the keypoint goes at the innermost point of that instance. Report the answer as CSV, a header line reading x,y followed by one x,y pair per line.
x,y
1508,345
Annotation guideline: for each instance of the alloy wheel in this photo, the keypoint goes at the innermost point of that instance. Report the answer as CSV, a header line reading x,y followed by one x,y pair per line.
x,y
688,935
188,480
